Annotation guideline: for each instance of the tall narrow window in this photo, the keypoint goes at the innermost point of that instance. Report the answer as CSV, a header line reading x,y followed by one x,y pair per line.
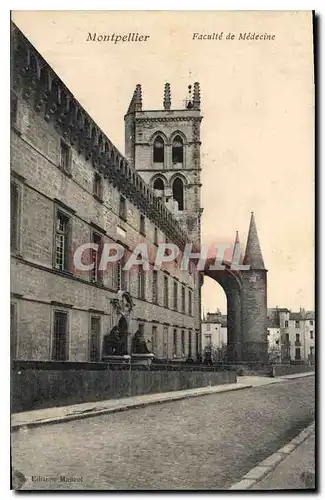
x,y
124,274
154,340
158,150
60,336
175,343
197,343
98,186
156,236
175,295
311,334
177,150
155,287
298,353
183,342
178,193
62,241
190,343
122,208
94,342
165,291
183,299
141,283
190,303
14,216
13,330
96,275
65,156
142,224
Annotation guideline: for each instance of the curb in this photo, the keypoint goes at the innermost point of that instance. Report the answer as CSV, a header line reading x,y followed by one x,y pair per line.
x,y
268,464
104,411
293,376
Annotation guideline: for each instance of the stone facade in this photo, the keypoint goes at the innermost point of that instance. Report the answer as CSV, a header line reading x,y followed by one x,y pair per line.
x,y
69,181
214,332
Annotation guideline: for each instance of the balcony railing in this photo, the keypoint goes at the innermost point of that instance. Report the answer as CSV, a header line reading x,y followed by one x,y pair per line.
x,y
297,343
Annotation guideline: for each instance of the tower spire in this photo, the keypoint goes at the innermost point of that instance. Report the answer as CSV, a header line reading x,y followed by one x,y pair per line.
x,y
236,254
253,254
167,97
196,96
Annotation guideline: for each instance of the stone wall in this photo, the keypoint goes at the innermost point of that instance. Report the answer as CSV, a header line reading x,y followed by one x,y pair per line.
x,y
34,388
290,369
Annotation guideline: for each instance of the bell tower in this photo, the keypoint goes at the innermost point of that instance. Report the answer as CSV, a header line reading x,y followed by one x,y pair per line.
x,y
164,146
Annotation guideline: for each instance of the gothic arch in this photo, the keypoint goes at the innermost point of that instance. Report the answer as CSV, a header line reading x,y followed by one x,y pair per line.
x,y
155,135
178,189
180,176
175,134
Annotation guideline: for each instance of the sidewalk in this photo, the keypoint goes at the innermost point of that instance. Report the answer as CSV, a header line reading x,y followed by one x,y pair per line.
x,y
291,467
297,471
84,410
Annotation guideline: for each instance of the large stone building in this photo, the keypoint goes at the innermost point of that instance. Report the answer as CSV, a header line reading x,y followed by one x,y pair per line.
x,y
291,335
71,186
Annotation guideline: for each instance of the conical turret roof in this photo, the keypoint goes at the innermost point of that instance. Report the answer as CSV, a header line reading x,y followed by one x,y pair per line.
x,y
253,254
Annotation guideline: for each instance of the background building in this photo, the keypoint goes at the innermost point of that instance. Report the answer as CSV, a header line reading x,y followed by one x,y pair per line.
x,y
291,335
71,186
214,333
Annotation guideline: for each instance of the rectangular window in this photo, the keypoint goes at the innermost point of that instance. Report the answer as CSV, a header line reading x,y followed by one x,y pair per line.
x,y
123,208
175,343
183,299
208,327
297,324
155,287
311,350
13,109
297,337
15,202
95,274
175,295
165,291
311,322
190,343
311,334
165,342
156,236
62,241
197,343
98,186
142,224
286,324
141,283
287,338
183,342
94,347
298,353
13,330
65,156
208,339
154,340
190,303
60,336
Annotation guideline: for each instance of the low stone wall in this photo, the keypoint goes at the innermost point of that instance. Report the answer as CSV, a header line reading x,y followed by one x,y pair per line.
x,y
42,387
291,369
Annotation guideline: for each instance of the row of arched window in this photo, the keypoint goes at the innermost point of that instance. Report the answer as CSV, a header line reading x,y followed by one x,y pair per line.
x,y
177,149
177,187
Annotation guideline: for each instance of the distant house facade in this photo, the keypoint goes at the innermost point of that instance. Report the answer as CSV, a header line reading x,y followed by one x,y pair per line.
x,y
291,335
214,332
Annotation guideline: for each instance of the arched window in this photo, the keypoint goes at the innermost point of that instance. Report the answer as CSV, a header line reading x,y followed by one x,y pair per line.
x,y
178,193
158,150
177,150
158,185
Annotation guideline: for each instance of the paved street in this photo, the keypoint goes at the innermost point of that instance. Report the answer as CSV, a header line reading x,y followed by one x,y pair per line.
x,y
208,442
